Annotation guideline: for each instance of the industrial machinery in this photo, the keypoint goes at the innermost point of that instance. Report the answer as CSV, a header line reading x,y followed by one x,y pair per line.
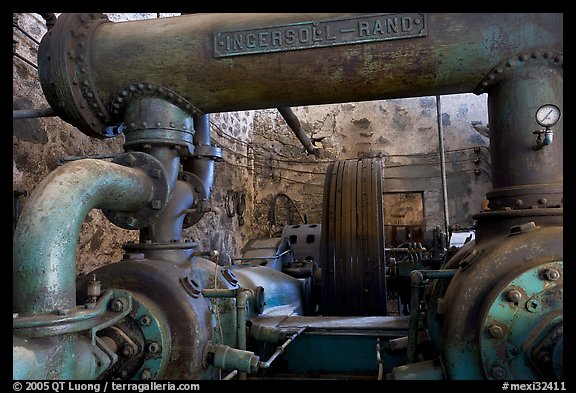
x,y
313,302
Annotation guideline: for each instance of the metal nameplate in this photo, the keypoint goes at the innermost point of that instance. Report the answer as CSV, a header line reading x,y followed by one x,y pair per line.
x,y
320,34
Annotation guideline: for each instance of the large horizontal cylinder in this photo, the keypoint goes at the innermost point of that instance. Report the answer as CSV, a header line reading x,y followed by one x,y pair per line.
x,y
230,62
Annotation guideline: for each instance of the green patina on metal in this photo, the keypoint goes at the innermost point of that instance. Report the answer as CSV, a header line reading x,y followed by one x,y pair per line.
x,y
332,354
156,339
44,254
522,314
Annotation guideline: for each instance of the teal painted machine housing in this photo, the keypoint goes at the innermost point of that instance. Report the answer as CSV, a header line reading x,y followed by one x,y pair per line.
x,y
499,263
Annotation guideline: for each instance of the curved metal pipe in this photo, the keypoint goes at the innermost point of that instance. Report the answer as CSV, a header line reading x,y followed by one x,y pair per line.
x,y
294,124
45,240
168,227
241,305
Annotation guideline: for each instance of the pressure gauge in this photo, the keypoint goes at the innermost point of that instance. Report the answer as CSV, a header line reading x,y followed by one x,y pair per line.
x,y
547,115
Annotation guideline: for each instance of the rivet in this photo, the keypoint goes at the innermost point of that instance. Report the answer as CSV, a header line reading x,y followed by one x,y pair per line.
x,y
510,63
499,70
542,201
547,55
132,125
86,83
150,86
145,320
523,57
156,173
94,105
491,76
119,99
132,88
141,86
559,58
156,204
116,106
90,94
172,124
144,124
535,54
158,124
131,222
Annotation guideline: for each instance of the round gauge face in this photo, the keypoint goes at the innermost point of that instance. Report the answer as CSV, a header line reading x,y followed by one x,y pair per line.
x,y
547,115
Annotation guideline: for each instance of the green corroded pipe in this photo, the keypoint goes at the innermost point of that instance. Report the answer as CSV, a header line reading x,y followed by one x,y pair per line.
x,y
230,62
45,240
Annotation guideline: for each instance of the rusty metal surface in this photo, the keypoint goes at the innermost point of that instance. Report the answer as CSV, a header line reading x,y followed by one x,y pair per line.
x,y
44,265
497,258
178,54
524,177
186,320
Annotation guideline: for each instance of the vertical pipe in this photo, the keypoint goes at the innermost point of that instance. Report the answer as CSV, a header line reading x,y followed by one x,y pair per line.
x,y
416,280
417,283
442,166
199,164
521,176
241,304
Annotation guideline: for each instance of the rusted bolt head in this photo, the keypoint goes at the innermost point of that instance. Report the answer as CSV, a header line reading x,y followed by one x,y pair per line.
x,y
551,274
128,350
545,357
117,305
498,372
514,295
145,320
495,331
153,347
146,374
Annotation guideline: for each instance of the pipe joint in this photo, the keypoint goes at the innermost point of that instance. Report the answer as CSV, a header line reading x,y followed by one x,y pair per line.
x,y
155,173
512,65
